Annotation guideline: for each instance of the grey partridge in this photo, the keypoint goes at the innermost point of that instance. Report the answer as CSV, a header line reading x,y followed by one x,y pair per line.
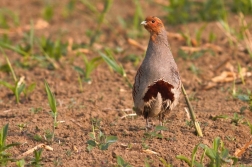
x,y
157,83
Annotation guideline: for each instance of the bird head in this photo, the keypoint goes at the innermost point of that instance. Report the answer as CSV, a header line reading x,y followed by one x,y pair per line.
x,y
153,24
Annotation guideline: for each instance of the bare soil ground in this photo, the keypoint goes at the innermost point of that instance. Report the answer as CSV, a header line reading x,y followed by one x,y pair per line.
x,y
108,95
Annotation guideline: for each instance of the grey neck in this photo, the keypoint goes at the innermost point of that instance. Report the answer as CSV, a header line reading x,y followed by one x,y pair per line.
x,y
162,37
160,46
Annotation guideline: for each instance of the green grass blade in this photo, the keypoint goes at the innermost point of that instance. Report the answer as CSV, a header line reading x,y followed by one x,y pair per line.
x,y
159,128
31,36
89,6
128,82
164,162
240,73
111,139
97,32
250,102
90,65
209,152
194,154
20,163
8,85
216,144
79,70
18,90
138,15
113,64
10,145
120,160
51,98
9,64
107,5
30,88
3,135
202,156
15,49
250,126
184,158
196,164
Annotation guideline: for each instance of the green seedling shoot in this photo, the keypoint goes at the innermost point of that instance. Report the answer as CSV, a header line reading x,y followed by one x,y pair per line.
x,y
164,162
19,85
52,104
48,12
111,62
99,139
121,162
192,162
156,133
236,119
36,161
4,156
90,66
218,155
101,18
20,163
250,126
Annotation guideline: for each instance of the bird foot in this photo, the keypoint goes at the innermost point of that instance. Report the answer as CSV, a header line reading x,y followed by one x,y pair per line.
x,y
149,126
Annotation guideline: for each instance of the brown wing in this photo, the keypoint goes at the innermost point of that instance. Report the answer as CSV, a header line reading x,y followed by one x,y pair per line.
x,y
137,83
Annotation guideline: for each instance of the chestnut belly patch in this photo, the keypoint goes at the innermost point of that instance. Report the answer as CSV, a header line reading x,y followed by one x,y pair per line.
x,y
164,88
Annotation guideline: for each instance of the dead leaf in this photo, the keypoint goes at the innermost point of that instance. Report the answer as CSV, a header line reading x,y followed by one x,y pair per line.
x,y
228,76
206,46
75,149
190,49
229,66
40,24
239,152
214,47
136,44
33,149
210,85
194,42
162,2
82,50
70,45
128,115
175,36
225,76
148,151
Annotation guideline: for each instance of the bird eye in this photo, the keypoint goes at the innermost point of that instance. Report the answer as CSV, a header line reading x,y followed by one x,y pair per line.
x,y
153,21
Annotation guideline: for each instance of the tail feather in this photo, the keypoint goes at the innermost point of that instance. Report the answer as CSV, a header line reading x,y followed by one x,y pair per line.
x,y
155,106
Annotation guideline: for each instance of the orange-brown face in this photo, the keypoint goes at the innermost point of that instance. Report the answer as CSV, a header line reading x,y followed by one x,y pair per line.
x,y
153,24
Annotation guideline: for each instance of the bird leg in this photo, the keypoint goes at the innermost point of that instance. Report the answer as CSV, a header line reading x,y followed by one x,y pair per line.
x,y
161,119
161,122
149,126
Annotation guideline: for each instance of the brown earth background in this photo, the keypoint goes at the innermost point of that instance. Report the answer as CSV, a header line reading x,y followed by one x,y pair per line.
x,y
108,97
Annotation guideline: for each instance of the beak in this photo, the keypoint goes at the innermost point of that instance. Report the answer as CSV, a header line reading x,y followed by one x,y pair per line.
x,y
144,23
